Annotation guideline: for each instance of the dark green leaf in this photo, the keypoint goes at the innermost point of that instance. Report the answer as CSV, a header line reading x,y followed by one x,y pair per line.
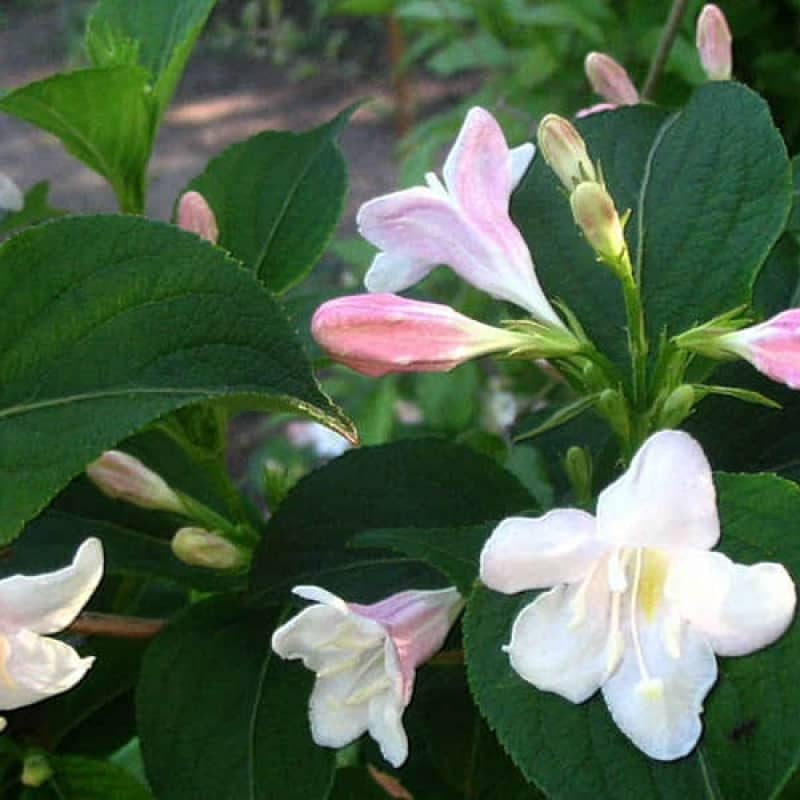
x,y
751,743
452,551
419,483
113,137
779,279
221,717
157,34
715,200
112,322
87,779
355,783
277,198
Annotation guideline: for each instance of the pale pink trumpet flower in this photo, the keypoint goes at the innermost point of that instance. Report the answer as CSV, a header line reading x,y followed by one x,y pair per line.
x,y
714,43
34,666
462,222
365,658
377,334
195,215
640,605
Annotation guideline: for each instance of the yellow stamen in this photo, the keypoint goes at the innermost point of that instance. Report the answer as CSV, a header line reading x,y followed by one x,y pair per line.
x,y
5,652
651,588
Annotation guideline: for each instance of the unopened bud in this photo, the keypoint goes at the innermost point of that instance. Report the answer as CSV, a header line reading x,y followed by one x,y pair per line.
x,y
612,405
195,215
565,151
677,406
11,198
595,213
578,466
201,548
36,770
124,477
610,80
714,43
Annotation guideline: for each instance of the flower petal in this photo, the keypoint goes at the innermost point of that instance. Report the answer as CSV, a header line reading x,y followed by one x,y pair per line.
x,y
521,158
559,642
50,602
524,553
738,608
477,171
660,712
334,722
666,499
34,667
386,728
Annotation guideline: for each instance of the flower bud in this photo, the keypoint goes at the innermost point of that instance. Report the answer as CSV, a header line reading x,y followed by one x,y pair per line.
x,y
610,80
376,334
578,466
677,406
11,198
565,151
124,477
714,43
612,405
773,347
195,215
36,770
201,548
594,211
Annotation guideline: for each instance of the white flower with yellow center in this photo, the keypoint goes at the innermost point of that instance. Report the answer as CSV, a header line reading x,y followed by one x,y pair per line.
x,y
639,606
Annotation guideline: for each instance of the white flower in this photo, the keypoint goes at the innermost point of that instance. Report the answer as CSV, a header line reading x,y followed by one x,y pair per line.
x,y
365,657
32,665
640,605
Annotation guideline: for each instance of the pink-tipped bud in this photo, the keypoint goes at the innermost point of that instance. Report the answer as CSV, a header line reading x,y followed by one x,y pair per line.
x,y
565,151
376,334
595,212
610,80
195,215
201,548
11,198
124,477
714,43
773,347
597,108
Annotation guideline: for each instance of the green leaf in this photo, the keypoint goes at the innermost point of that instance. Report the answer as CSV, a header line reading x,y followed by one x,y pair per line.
x,y
112,322
715,200
354,783
777,285
621,141
277,198
751,743
561,416
87,779
452,551
221,717
419,483
113,137
157,34
449,402
37,209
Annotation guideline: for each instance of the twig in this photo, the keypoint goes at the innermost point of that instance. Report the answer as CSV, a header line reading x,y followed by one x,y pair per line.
x,y
117,627
401,82
664,46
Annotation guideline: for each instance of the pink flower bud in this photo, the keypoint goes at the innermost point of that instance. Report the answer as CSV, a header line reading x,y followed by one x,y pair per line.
x,y
201,548
124,477
565,151
376,334
773,347
714,43
597,108
195,215
610,80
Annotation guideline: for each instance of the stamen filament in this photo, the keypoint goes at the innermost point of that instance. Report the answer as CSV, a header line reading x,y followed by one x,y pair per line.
x,y
637,646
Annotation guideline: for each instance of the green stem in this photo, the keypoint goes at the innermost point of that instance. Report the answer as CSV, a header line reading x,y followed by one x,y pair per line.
x,y
637,341
668,36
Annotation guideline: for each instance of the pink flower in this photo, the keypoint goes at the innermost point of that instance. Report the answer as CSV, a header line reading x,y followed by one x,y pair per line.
x,y
610,80
195,215
714,43
463,222
773,347
365,658
376,334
